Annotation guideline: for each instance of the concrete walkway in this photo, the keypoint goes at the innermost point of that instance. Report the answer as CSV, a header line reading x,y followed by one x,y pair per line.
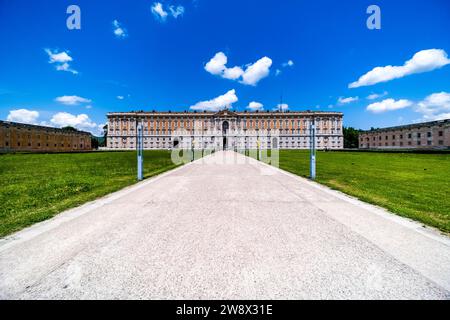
x,y
217,229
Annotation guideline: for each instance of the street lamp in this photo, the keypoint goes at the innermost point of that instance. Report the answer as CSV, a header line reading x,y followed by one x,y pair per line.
x,y
193,148
140,153
312,147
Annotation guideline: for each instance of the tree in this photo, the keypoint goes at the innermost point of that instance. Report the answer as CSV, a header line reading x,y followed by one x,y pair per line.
x,y
69,128
94,142
351,138
105,134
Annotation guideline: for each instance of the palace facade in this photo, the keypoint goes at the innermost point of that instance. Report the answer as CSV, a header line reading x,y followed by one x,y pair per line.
x,y
427,135
224,130
19,137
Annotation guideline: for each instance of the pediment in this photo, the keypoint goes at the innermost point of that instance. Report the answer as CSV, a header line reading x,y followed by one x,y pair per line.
x,y
225,113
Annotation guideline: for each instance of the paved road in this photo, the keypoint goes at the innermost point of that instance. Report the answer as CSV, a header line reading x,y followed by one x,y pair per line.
x,y
226,227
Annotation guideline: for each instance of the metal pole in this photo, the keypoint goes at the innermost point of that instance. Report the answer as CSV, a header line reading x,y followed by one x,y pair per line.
x,y
312,146
192,149
140,153
259,149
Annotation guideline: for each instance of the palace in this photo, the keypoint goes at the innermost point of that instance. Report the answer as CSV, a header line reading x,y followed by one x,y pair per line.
x,y
20,137
225,129
427,135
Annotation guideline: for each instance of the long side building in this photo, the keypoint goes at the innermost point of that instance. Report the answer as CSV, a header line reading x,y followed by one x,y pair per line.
x,y
427,135
224,129
19,137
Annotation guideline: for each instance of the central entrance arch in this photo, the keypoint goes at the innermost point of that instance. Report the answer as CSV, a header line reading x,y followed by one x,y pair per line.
x,y
225,127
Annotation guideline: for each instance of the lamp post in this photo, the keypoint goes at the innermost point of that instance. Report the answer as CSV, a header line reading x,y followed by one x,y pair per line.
x,y
193,148
312,147
258,143
140,153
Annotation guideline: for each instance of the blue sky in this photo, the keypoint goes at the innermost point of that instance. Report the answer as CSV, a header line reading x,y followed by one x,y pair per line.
x,y
128,56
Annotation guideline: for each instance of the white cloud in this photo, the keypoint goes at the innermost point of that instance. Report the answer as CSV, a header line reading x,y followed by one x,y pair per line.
x,y
233,73
290,63
218,103
435,106
375,96
422,61
72,100
441,116
61,60
161,14
175,12
217,64
120,97
251,76
23,116
281,107
389,105
158,11
59,57
65,67
119,31
257,71
255,106
348,100
277,72
81,122
88,107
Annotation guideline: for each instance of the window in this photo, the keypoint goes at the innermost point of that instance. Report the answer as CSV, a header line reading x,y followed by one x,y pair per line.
x,y
401,136
429,134
441,142
409,135
386,137
418,135
441,133
418,142
393,137
429,143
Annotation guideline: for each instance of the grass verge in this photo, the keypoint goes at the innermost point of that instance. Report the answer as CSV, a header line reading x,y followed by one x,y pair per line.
x,y
36,187
412,185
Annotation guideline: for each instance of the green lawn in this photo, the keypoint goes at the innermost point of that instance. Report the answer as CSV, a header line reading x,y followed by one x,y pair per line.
x,y
416,186
35,187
